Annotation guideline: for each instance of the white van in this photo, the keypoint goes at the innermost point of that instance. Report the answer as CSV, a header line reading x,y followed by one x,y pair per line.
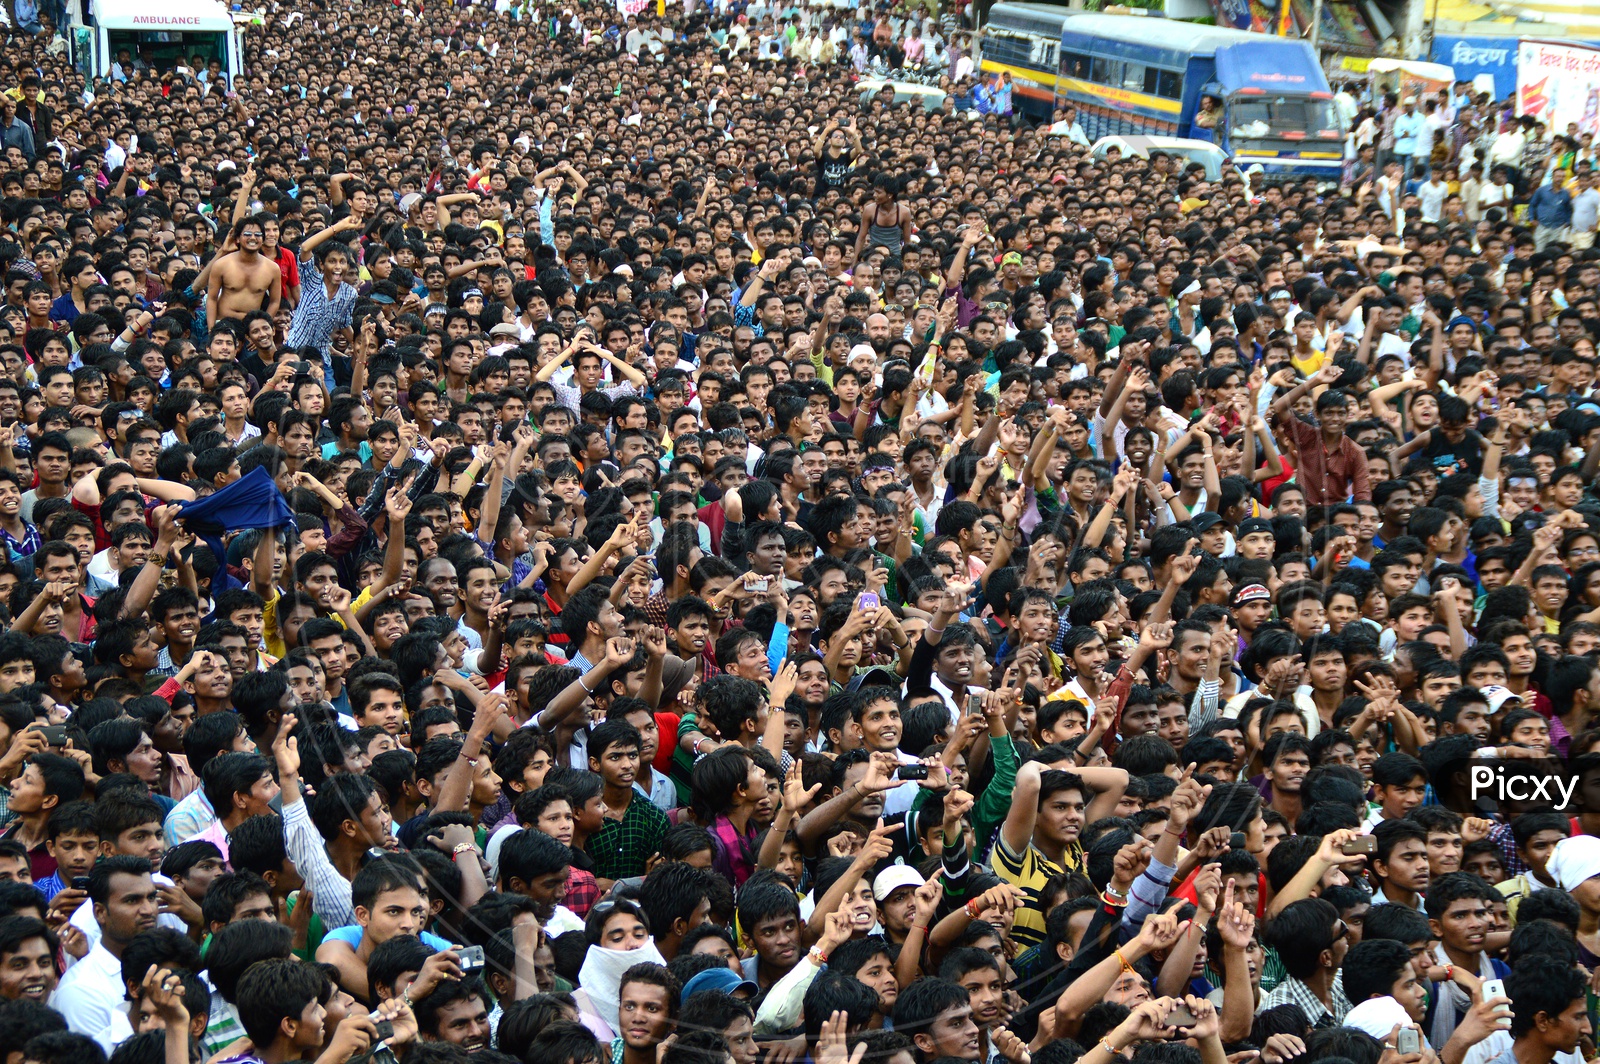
x,y
165,33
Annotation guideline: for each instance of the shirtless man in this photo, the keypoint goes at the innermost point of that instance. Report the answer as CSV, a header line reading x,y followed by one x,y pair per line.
x,y
241,281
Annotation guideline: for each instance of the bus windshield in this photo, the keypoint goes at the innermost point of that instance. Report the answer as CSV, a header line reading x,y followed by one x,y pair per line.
x,y
1257,117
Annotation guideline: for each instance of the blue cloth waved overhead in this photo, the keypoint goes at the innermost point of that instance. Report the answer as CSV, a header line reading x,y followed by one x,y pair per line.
x,y
252,501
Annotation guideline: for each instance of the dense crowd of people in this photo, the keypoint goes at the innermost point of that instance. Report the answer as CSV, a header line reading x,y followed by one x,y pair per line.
x,y
553,536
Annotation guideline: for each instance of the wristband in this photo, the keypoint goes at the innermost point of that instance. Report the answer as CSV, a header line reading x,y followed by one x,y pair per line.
x,y
461,848
1106,1045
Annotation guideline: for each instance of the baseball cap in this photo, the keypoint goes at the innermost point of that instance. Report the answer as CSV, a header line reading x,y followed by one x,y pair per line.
x,y
1254,524
1251,593
877,676
1498,696
893,878
1204,521
1010,258
409,201
505,328
722,979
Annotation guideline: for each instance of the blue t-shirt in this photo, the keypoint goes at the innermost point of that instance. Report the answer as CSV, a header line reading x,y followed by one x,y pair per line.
x,y
351,933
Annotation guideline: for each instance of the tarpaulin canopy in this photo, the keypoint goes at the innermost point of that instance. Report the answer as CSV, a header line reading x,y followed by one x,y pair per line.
x,y
1271,65
1580,15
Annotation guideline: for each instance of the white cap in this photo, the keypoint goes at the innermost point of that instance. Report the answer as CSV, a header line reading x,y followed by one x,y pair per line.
x,y
1499,696
893,878
409,201
861,349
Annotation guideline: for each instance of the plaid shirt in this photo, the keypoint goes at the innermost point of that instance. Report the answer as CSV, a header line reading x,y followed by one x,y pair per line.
x,y
1501,836
621,847
28,544
655,608
317,317
1293,992
582,891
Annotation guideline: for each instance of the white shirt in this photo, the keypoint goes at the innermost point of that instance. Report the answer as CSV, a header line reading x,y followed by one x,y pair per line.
x,y
92,999
1585,210
1432,194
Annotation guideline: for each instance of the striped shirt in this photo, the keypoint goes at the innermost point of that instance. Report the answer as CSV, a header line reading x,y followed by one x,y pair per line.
x,y
330,891
1031,870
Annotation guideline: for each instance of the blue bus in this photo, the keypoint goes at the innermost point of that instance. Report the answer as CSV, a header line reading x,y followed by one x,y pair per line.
x,y
1141,75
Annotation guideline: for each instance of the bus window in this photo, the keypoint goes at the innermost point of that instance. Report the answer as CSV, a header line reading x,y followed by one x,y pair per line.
x,y
1133,77
1106,71
1169,84
1253,117
1074,65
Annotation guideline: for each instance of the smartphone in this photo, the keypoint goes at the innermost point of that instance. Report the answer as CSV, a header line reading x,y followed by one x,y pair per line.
x,y
1495,988
54,734
912,772
1236,841
759,583
80,882
1365,845
385,1027
974,705
1182,1016
868,601
302,367
1409,1041
472,957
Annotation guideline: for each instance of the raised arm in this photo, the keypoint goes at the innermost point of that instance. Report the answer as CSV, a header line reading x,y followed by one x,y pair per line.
x,y
241,199
495,490
149,576
1017,831
626,369
549,369
344,225
457,783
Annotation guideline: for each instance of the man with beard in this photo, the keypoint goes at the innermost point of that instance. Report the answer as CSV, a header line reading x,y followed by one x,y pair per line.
x,y
245,281
91,996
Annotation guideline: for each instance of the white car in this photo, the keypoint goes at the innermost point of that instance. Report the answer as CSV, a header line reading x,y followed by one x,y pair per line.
x,y
931,97
1207,154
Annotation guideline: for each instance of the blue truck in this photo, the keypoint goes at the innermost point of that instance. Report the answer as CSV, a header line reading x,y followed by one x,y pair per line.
x,y
1270,103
